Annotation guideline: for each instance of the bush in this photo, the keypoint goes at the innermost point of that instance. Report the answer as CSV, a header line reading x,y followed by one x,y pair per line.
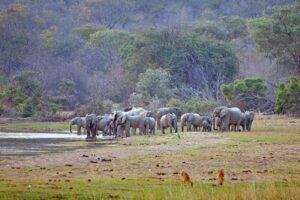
x,y
26,109
253,85
174,102
200,106
53,107
288,97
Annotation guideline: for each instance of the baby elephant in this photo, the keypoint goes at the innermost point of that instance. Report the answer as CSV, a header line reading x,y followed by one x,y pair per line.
x,y
247,120
168,121
150,123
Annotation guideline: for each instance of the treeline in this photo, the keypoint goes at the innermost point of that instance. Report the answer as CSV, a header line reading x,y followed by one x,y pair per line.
x,y
90,55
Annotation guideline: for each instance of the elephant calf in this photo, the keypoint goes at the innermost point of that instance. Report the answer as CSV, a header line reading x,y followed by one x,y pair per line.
x,y
247,120
150,123
80,122
103,123
168,121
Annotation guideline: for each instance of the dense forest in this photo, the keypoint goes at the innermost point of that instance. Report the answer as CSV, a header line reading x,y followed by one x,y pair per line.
x,y
100,55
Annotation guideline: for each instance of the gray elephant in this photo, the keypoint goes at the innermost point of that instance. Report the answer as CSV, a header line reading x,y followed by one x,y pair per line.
x,y
134,122
195,121
217,120
103,123
91,126
150,123
230,116
216,115
163,111
130,112
247,120
206,124
168,121
80,122
184,121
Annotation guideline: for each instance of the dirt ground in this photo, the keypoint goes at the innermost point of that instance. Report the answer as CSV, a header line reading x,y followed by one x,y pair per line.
x,y
262,155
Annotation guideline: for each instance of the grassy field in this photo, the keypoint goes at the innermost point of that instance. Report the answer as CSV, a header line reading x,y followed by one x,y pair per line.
x,y
262,164
36,127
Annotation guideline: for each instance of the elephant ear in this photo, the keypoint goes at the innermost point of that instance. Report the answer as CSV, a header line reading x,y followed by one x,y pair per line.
x,y
223,113
123,119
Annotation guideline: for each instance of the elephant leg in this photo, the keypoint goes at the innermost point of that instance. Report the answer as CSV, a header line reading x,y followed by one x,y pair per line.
x,y
238,127
78,130
163,130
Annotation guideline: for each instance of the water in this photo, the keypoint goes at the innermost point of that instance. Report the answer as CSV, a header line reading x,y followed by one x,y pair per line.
x,y
27,144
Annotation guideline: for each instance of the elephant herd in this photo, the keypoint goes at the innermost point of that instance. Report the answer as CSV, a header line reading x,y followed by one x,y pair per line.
x,y
124,123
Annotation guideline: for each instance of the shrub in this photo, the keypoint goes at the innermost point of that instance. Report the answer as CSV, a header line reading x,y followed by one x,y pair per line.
x,y
201,106
174,102
53,107
26,109
253,85
288,97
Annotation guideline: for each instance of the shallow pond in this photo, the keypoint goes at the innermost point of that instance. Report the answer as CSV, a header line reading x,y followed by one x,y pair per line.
x,y
22,144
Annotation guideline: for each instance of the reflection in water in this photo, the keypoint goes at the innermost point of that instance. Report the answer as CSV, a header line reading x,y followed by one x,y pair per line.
x,y
22,144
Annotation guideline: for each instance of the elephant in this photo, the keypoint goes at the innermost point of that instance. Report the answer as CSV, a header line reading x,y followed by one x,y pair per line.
x,y
247,120
216,114
91,126
136,121
184,121
130,112
206,123
168,120
195,121
150,123
103,123
163,111
230,116
80,122
218,122
206,126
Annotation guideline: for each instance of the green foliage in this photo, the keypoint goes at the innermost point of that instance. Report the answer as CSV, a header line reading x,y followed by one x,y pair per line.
x,y
278,35
174,102
57,47
254,86
87,30
185,55
16,33
288,97
53,107
26,109
225,29
23,92
154,82
197,105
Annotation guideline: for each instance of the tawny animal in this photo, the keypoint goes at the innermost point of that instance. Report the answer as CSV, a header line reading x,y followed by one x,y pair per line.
x,y
185,178
220,176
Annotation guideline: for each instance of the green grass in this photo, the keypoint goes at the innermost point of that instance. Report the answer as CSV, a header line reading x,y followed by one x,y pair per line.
x,y
147,188
35,127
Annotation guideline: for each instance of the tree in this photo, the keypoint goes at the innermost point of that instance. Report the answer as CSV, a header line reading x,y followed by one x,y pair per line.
x,y
154,82
278,35
23,93
16,36
288,97
248,94
196,62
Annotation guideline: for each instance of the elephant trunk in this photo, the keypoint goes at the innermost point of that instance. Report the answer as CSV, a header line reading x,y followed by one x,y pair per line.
x,y
71,128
